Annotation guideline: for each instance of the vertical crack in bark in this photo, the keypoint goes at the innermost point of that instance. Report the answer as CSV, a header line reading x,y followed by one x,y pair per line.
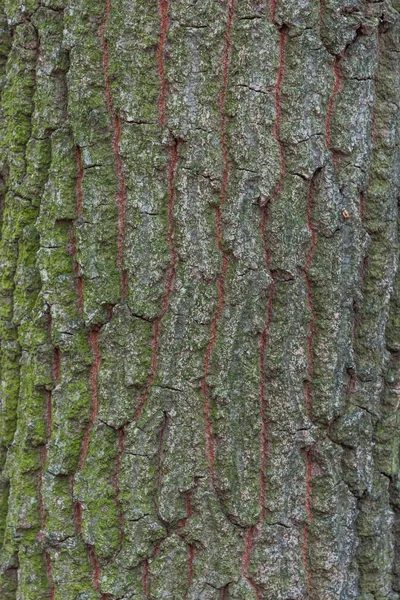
x,y
56,369
336,89
263,403
116,125
272,10
173,161
79,206
278,109
263,347
224,592
169,285
361,205
171,273
49,573
265,333
163,6
121,204
56,373
118,505
96,572
311,328
145,578
94,334
89,548
357,318
190,561
43,459
246,560
308,391
93,384
264,424
222,276
321,18
191,548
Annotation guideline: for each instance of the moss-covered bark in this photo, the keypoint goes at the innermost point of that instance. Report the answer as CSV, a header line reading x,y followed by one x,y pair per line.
x,y
199,300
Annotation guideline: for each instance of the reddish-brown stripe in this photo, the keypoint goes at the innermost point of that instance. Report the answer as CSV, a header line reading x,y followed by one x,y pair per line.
x,y
171,274
265,333
93,384
224,269
116,126
246,560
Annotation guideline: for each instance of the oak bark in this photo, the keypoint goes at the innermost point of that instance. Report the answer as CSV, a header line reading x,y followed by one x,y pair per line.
x,y
200,299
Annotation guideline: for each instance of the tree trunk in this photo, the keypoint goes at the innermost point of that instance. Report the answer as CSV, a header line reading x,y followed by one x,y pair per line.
x,y
200,300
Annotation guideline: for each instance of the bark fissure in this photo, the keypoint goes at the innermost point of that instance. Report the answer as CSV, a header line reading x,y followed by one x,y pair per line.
x,y
169,285
116,127
79,208
218,241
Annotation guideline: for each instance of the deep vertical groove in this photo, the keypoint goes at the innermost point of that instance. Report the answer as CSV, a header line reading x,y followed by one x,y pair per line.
x,y
162,38
43,458
310,302
222,276
361,205
49,573
356,323
94,334
191,548
56,369
170,277
173,161
79,179
116,126
145,578
246,559
89,548
265,333
272,9
336,88
263,346
118,505
93,376
264,424
224,592
79,206
308,391
190,561
278,109
263,401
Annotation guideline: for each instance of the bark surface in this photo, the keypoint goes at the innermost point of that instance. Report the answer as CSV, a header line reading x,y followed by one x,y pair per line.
x,y
199,300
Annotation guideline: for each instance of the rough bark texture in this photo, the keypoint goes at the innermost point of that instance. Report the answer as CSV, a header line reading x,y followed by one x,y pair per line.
x,y
200,299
